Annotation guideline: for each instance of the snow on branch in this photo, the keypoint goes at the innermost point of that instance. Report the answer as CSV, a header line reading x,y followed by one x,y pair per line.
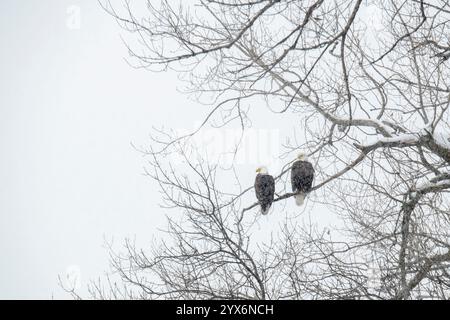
x,y
437,142
401,140
442,139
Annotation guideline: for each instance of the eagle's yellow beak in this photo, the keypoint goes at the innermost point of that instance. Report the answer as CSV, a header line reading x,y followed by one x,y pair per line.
x,y
258,170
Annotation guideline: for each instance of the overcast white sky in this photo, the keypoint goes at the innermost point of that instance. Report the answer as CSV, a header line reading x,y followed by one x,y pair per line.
x,y
70,106
69,109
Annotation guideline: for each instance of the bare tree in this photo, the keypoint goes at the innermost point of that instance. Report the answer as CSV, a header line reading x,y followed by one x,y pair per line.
x,y
368,84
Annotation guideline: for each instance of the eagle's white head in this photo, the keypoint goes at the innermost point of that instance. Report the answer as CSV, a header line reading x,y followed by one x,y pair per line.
x,y
302,157
262,170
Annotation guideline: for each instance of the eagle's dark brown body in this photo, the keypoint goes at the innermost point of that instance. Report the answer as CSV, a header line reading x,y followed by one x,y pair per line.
x,y
302,176
265,190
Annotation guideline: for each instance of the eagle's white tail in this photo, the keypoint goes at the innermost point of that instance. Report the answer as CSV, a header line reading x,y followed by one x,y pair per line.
x,y
265,212
299,199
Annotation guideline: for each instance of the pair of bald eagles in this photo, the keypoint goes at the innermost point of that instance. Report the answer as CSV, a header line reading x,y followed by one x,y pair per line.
x,y
302,176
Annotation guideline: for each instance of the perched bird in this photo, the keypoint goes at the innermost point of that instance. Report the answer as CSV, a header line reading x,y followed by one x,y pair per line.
x,y
264,189
302,176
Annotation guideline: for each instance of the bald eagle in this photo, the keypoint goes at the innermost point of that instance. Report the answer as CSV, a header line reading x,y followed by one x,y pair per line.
x,y
264,189
302,176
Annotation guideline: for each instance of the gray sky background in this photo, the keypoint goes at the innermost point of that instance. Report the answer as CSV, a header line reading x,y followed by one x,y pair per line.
x,y
70,106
